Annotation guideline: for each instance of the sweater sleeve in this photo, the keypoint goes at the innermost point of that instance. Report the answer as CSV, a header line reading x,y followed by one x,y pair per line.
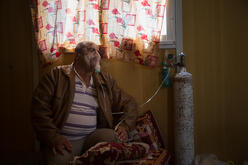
x,y
41,110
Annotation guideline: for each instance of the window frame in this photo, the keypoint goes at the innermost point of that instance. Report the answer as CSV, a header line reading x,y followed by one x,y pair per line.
x,y
174,27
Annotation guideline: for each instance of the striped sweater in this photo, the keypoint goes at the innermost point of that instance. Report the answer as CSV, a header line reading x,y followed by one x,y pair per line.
x,y
82,116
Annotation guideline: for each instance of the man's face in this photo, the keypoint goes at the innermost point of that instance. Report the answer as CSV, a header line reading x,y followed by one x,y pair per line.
x,y
91,57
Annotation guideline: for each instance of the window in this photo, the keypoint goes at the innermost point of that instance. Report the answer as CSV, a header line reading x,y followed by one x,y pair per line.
x,y
171,34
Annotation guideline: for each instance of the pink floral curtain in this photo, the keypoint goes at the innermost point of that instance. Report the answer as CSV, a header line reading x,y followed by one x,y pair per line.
x,y
127,30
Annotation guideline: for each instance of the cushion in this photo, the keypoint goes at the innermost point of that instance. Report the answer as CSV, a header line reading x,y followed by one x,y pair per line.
x,y
147,131
111,152
156,157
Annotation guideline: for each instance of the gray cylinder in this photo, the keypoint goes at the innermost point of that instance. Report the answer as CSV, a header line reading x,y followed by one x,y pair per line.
x,y
183,118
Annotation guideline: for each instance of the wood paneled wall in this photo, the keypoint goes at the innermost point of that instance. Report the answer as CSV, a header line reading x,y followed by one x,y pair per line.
x,y
215,36
16,81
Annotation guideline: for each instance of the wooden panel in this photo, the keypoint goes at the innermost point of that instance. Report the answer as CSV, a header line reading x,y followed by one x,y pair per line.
x,y
215,40
16,79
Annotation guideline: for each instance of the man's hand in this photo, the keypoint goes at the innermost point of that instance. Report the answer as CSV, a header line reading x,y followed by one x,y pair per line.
x,y
61,145
122,133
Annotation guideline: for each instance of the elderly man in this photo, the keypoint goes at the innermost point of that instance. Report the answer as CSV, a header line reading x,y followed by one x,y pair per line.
x,y
73,107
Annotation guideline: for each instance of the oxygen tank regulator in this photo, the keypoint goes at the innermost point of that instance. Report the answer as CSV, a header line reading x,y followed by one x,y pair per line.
x,y
169,62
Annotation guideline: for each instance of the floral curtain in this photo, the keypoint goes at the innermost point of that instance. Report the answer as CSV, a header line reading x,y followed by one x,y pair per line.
x,y
127,30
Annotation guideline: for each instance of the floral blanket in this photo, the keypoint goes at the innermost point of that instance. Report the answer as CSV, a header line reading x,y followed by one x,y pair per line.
x,y
146,147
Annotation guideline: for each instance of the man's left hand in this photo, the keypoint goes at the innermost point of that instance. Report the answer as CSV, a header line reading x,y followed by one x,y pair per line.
x,y
122,133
